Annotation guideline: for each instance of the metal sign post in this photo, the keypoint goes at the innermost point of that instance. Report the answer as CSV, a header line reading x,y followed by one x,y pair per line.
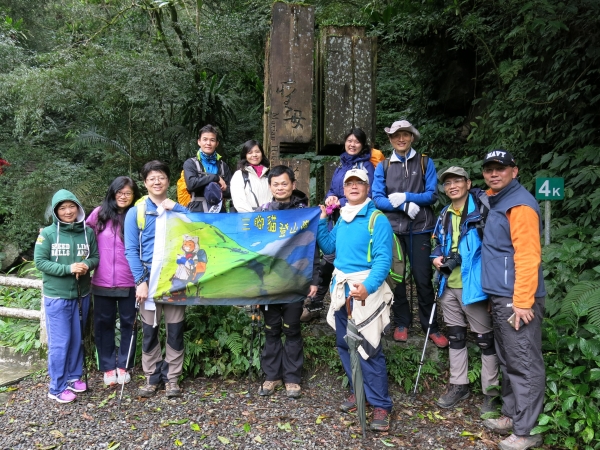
x,y
549,189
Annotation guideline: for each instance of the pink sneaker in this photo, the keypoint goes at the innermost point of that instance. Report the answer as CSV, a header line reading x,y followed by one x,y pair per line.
x,y
76,386
65,396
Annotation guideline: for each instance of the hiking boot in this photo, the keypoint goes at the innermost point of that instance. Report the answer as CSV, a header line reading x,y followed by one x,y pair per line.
x,y
381,420
173,390
76,386
454,394
439,339
308,315
268,387
293,390
490,404
502,425
123,376
401,334
110,378
350,405
148,390
514,442
66,396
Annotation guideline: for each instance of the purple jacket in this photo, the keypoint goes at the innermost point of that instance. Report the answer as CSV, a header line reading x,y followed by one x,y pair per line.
x,y
113,270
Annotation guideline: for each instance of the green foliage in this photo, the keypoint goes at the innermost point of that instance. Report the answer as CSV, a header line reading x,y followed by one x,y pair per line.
x,y
571,406
571,258
402,364
217,339
321,352
22,335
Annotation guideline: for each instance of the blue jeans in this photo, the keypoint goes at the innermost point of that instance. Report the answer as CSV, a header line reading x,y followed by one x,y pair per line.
x,y
65,353
374,369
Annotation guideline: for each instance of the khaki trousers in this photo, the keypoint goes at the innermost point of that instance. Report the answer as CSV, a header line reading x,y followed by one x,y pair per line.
x,y
155,367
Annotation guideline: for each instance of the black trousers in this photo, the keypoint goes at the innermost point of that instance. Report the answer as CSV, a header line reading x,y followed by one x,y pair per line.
x,y
105,313
283,360
325,274
417,247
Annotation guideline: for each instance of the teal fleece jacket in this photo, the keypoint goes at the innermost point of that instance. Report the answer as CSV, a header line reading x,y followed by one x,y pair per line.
x,y
62,244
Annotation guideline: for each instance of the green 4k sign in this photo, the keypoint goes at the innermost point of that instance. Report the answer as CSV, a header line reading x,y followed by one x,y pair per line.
x,y
550,188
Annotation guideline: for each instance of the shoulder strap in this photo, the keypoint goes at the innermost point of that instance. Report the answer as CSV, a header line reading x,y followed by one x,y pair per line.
x,y
141,213
484,209
200,169
424,162
386,165
247,182
374,215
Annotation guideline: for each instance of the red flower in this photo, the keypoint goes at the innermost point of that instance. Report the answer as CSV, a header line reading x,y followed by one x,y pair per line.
x,y
3,163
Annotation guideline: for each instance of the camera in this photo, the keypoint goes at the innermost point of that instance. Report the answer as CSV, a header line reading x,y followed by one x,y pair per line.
x,y
449,263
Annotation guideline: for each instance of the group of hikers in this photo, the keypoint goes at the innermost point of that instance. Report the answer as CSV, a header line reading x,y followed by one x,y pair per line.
x,y
486,253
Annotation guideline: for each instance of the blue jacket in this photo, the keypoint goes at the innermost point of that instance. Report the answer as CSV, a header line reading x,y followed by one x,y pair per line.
x,y
350,241
132,235
469,247
348,162
424,199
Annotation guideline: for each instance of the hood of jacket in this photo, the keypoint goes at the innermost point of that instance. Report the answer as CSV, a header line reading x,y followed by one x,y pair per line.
x,y
62,196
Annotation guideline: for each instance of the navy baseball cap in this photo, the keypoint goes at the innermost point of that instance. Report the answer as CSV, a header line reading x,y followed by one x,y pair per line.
x,y
500,156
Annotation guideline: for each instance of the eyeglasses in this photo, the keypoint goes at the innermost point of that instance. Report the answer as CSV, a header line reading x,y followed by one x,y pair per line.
x,y
454,182
155,179
355,183
124,194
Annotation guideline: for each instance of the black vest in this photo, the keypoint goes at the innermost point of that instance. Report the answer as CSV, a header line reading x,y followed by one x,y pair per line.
x,y
497,251
408,176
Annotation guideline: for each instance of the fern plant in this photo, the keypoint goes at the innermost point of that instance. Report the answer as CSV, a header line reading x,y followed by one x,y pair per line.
x,y
583,300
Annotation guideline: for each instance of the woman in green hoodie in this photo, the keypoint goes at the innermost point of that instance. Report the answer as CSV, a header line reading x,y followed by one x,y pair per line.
x,y
65,253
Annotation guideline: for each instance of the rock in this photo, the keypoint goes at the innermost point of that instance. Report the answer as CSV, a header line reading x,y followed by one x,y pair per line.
x,y
9,253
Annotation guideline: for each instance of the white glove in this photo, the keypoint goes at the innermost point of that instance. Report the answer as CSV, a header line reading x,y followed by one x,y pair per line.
x,y
412,210
397,198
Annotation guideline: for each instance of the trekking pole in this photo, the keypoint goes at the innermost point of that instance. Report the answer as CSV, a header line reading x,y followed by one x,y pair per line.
x,y
80,305
254,314
133,336
432,315
410,274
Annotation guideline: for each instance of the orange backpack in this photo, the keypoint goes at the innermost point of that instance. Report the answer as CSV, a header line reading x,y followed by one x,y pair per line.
x,y
376,157
183,195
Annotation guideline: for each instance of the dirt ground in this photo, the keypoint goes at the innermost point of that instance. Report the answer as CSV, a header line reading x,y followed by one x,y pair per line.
x,y
218,414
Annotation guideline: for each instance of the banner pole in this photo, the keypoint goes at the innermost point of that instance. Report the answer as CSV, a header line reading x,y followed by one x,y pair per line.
x,y
547,220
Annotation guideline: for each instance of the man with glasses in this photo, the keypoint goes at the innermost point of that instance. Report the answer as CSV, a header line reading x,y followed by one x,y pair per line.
x,y
457,255
139,249
512,277
362,242
405,187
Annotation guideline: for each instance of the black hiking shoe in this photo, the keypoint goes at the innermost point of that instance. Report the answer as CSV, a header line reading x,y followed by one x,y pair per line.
x,y
454,394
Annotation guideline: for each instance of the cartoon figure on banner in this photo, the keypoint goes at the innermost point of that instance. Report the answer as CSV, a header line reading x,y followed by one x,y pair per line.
x,y
191,265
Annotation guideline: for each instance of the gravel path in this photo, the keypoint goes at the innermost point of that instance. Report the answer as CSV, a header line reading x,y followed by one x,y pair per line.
x,y
217,414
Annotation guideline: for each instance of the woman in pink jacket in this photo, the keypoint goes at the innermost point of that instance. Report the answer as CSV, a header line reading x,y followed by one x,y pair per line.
x,y
113,285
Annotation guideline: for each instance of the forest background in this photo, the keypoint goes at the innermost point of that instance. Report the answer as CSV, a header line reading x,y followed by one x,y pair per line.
x,y
93,89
